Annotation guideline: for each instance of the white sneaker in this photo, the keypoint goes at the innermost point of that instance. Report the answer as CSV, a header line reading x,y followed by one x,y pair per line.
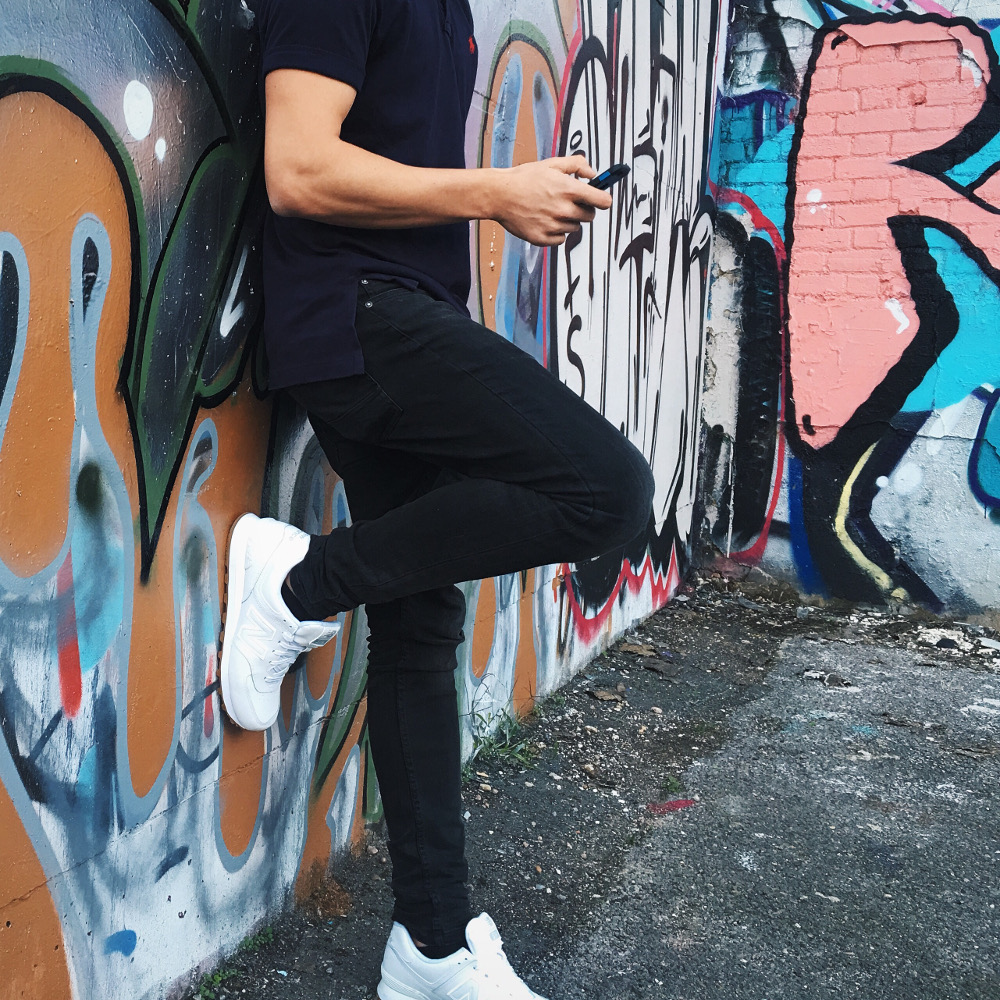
x,y
262,638
479,972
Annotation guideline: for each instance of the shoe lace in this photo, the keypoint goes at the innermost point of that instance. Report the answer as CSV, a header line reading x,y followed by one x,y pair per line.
x,y
286,650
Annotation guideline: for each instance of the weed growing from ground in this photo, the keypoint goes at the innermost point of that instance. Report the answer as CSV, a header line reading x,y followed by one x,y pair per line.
x,y
254,942
672,785
501,738
209,985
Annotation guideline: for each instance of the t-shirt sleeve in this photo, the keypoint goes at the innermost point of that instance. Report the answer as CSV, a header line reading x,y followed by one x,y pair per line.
x,y
331,37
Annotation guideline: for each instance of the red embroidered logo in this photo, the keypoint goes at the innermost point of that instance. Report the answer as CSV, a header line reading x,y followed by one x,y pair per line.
x,y
472,45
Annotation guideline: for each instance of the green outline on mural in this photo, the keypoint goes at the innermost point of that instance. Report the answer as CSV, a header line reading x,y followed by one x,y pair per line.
x,y
517,31
156,487
39,69
559,21
344,710
372,810
179,20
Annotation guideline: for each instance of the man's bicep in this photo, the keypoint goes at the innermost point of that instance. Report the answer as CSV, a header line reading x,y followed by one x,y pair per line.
x,y
308,103
303,114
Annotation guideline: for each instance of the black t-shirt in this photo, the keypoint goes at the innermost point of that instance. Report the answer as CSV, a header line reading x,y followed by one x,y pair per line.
x,y
413,64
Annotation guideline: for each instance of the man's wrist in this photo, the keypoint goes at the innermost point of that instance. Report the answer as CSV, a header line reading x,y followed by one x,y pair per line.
x,y
488,200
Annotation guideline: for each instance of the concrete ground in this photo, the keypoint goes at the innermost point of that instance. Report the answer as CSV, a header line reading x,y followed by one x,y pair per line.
x,y
746,799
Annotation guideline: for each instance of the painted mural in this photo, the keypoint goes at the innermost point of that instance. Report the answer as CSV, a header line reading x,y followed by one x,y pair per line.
x,y
144,836
851,443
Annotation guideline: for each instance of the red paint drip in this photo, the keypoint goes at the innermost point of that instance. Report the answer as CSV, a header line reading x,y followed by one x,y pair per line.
x,y
209,702
70,674
663,589
662,808
472,45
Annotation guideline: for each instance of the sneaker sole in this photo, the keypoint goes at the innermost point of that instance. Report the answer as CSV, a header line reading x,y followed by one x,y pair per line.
x,y
235,573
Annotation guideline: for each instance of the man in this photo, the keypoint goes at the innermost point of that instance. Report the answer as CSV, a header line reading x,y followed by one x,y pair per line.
x,y
461,457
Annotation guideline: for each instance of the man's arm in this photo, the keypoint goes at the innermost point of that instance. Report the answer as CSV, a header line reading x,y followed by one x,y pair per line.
x,y
312,173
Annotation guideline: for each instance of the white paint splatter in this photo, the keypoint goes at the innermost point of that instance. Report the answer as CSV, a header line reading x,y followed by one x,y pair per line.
x,y
907,478
160,148
882,482
942,425
138,107
896,311
814,196
968,60
747,860
935,435
233,312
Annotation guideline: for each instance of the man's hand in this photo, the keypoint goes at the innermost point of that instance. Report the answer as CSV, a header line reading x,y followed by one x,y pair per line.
x,y
544,201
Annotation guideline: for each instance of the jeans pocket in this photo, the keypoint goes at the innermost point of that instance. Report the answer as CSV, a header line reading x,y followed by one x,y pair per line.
x,y
356,406
372,417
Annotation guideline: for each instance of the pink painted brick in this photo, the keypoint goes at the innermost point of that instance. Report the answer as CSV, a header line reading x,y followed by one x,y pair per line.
x,y
814,170
825,78
864,285
855,261
876,55
933,117
808,261
849,168
870,144
830,193
870,237
939,95
835,284
936,208
902,142
942,69
820,124
890,120
819,288
858,214
846,53
873,98
906,34
834,102
903,189
873,190
836,239
825,146
927,50
882,74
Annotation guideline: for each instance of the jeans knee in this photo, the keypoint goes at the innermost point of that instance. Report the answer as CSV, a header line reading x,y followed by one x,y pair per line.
x,y
419,633
625,500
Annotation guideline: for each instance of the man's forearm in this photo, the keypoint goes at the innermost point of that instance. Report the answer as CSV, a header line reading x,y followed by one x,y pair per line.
x,y
345,185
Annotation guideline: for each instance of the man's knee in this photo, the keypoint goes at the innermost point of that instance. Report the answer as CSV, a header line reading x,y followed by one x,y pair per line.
x,y
623,496
419,633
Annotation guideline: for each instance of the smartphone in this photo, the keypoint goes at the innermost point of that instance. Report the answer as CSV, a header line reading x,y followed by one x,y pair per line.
x,y
610,176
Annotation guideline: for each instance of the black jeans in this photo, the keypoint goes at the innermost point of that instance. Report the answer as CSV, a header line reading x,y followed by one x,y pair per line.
x,y
462,458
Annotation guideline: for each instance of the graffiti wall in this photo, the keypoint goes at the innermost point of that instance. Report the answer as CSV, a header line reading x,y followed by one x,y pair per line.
x,y
144,836
851,443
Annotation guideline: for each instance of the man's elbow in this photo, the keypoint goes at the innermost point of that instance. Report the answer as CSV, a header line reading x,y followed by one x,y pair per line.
x,y
288,189
286,199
